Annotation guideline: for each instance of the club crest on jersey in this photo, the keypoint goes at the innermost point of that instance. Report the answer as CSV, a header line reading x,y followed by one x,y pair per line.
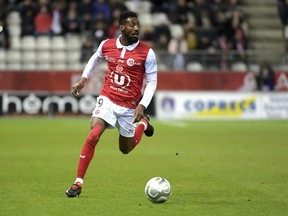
x,y
119,68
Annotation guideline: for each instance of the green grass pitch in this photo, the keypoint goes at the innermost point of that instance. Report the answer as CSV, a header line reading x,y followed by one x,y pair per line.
x,y
214,167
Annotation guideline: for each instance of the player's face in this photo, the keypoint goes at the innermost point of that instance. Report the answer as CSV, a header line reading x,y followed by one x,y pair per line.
x,y
130,30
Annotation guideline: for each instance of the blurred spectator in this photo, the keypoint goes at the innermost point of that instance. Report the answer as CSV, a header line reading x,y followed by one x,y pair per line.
x,y
4,38
101,10
99,32
87,49
191,39
240,44
180,13
283,11
113,29
265,79
206,35
161,33
84,7
71,23
160,6
223,24
198,9
57,17
43,21
28,12
147,35
222,44
177,49
86,23
215,7
234,6
117,5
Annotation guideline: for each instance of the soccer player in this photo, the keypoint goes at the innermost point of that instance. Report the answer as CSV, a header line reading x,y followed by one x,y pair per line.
x,y
121,103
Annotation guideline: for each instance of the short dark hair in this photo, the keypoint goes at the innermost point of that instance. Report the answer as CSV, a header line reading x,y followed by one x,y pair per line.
x,y
126,15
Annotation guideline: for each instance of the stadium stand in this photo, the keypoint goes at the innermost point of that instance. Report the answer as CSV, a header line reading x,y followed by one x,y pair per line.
x,y
218,30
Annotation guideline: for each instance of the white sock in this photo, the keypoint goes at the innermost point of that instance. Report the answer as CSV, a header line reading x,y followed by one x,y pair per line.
x,y
80,180
143,123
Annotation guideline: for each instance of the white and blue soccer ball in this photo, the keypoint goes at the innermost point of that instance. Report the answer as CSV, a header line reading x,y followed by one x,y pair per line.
x,y
158,190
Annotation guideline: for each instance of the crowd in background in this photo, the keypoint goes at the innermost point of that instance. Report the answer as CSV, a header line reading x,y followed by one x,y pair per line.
x,y
208,25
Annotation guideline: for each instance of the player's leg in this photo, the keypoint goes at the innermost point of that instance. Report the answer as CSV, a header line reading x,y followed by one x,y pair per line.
x,y
128,141
102,118
98,126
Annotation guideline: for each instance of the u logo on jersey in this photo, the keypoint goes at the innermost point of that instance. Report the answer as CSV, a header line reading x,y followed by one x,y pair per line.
x,y
120,80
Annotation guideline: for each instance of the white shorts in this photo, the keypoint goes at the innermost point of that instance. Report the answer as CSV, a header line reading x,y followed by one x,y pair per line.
x,y
115,116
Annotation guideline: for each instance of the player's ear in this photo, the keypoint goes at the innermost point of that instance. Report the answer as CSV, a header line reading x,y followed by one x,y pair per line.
x,y
122,27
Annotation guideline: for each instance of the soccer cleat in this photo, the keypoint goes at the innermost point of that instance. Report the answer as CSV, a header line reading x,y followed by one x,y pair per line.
x,y
75,190
150,129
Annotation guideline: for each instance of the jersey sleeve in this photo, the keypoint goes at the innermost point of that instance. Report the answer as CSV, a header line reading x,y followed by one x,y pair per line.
x,y
94,61
151,78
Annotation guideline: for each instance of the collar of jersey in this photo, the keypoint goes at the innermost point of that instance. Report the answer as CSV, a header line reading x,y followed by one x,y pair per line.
x,y
130,47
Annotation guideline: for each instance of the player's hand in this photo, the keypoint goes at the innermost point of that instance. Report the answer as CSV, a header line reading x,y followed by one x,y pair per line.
x,y
139,113
78,86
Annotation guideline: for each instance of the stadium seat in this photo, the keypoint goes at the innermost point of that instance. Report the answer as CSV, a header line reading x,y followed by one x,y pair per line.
x,y
162,67
28,43
145,6
239,66
194,66
14,66
43,43
29,66
44,66
133,6
254,67
58,43
59,66
176,30
3,66
159,18
15,42
28,56
14,30
286,32
2,55
14,56
73,42
75,66
58,56
13,18
146,19
139,6
73,56
43,57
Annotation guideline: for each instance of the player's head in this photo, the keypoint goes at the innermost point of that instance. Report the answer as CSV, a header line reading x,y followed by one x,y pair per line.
x,y
129,26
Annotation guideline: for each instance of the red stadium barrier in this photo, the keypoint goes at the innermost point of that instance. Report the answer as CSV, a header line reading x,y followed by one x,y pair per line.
x,y
61,81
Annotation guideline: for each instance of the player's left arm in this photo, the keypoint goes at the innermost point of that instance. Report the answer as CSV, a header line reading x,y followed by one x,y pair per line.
x,y
151,85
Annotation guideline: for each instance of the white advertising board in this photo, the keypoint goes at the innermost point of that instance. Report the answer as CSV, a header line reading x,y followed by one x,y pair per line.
x,y
224,105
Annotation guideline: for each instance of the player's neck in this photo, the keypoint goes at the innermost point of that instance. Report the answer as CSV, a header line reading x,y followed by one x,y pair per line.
x,y
125,42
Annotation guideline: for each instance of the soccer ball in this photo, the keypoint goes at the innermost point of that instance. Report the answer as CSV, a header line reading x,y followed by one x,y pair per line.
x,y
158,190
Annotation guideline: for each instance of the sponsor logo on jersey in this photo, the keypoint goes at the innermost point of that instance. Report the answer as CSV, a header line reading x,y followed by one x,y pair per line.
x,y
130,62
110,59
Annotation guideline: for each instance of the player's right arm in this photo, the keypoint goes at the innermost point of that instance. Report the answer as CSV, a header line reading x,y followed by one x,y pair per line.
x,y
92,63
